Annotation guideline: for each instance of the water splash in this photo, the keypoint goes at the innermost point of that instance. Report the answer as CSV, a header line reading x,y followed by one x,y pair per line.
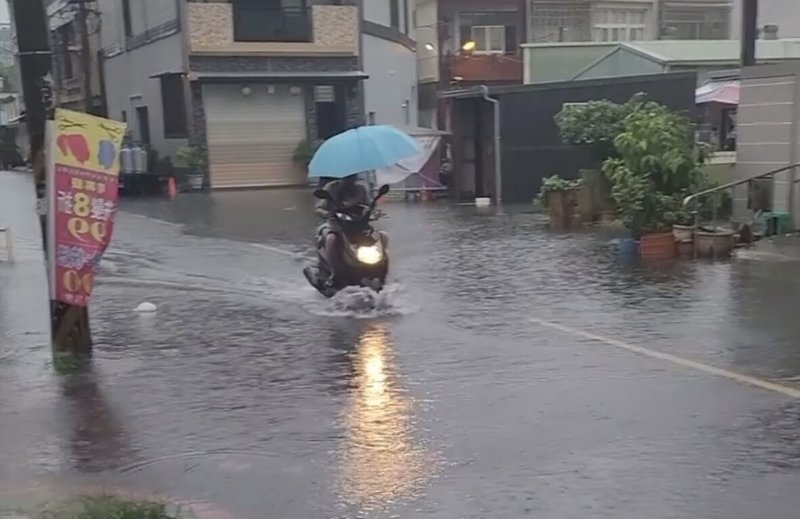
x,y
364,303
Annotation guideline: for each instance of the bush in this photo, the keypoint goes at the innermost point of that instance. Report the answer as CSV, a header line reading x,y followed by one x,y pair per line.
x,y
305,152
191,158
596,123
555,184
109,507
658,164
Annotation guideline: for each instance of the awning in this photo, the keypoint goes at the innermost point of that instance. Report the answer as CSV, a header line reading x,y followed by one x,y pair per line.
x,y
279,75
722,92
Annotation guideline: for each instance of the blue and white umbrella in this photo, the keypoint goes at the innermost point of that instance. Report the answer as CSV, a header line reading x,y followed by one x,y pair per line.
x,y
361,149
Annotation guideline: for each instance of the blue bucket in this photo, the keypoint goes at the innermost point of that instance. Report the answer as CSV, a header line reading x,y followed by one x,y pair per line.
x,y
627,247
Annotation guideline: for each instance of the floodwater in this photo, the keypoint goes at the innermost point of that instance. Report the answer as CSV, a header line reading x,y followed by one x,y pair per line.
x,y
507,372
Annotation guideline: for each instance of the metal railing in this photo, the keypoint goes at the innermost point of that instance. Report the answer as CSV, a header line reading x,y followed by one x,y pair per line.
x,y
260,23
696,197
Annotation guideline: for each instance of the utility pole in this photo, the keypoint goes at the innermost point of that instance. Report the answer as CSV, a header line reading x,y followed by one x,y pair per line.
x,y
70,324
749,32
86,55
30,20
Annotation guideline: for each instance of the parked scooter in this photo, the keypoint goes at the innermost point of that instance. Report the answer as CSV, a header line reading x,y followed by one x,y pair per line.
x,y
360,250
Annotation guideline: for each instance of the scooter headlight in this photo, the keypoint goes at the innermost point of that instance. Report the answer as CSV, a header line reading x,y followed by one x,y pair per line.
x,y
371,255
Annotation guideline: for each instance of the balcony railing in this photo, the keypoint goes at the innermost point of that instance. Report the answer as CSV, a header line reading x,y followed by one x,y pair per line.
x,y
256,23
484,68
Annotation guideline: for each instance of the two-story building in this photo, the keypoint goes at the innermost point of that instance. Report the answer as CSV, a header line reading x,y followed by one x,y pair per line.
x,y
245,81
70,77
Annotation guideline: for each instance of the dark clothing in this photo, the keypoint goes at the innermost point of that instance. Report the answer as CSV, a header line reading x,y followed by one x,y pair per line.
x,y
345,194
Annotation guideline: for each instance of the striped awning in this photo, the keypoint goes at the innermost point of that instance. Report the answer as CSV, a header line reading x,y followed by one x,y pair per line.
x,y
722,92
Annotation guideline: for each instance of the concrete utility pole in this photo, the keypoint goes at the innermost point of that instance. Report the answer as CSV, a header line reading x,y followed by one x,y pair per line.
x,y
70,324
86,55
33,41
749,32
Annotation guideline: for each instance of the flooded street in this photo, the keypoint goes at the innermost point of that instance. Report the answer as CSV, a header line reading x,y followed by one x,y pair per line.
x,y
507,372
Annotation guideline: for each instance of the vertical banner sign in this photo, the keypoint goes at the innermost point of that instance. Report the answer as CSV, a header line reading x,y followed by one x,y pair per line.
x,y
83,184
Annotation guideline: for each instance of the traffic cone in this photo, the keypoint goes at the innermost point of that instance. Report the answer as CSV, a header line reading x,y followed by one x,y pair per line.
x,y
172,189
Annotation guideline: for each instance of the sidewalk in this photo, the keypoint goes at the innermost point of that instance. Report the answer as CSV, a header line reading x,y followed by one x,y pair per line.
x,y
24,299
778,248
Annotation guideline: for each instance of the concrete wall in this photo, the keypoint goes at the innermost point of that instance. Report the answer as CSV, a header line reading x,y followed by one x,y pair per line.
x,y
426,33
128,72
391,90
390,59
767,133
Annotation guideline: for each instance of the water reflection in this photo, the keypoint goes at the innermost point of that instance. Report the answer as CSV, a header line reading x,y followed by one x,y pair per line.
x,y
97,437
380,461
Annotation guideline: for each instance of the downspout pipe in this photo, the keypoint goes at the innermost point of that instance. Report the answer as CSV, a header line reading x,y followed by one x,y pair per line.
x,y
498,160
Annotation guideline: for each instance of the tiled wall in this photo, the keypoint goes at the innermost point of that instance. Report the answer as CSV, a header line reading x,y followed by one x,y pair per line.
x,y
335,31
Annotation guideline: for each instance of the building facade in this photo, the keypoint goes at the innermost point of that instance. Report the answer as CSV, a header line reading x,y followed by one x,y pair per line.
x,y
643,20
463,43
78,78
390,60
250,82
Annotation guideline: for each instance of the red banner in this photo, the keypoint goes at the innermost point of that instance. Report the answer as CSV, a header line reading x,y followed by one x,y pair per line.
x,y
83,186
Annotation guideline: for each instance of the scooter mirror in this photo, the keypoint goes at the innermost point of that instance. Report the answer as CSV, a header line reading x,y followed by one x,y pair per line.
x,y
383,190
322,194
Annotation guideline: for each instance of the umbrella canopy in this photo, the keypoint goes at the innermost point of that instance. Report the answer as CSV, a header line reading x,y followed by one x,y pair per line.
x,y
362,149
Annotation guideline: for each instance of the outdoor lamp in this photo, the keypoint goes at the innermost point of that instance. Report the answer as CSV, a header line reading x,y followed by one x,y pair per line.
x,y
430,46
468,46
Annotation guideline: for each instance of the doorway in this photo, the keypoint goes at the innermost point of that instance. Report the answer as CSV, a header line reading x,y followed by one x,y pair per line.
x,y
330,109
143,124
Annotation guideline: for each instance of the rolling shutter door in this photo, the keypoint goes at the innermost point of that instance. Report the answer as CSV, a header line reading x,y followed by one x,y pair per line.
x,y
252,138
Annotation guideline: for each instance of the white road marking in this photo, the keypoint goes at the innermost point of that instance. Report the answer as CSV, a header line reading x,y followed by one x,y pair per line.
x,y
277,250
673,359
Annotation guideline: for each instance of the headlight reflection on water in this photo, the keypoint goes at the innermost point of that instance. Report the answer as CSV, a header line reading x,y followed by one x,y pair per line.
x,y
380,462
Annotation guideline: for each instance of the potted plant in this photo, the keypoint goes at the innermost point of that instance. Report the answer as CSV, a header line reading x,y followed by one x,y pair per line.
x,y
658,164
192,161
559,196
305,151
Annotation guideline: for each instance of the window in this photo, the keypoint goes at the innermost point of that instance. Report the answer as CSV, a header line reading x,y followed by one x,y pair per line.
x,y
65,38
273,20
492,31
394,14
696,22
126,17
610,24
406,28
173,102
489,39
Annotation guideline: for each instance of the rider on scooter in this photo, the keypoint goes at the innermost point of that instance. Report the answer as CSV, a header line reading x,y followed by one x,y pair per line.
x,y
347,194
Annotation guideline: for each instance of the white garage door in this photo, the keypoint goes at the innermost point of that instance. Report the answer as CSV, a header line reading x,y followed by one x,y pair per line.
x,y
251,138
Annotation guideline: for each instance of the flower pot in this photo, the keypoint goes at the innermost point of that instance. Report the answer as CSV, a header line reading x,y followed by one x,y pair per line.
x,y
657,246
685,248
195,182
715,245
561,207
682,232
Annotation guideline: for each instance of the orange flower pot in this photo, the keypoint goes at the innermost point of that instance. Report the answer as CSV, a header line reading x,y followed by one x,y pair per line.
x,y
657,246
